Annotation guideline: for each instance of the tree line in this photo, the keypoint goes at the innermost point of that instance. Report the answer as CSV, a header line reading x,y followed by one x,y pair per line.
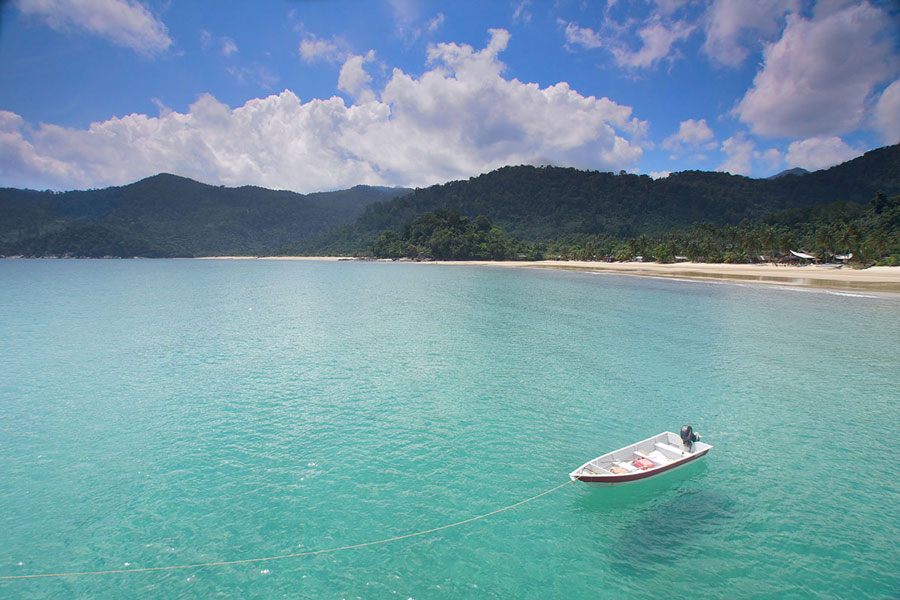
x,y
871,233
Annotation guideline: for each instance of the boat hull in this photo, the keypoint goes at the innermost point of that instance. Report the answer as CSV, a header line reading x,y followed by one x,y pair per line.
x,y
628,478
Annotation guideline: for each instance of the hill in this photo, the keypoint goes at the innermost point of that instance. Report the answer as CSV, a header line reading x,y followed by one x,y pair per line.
x,y
798,171
545,203
166,215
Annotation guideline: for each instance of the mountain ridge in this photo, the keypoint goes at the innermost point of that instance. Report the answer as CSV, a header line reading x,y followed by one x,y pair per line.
x,y
169,215
538,203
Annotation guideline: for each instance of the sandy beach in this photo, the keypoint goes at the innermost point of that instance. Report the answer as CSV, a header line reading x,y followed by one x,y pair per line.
x,y
873,279
884,279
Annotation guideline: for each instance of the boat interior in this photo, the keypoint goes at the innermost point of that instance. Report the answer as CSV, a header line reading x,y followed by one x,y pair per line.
x,y
656,452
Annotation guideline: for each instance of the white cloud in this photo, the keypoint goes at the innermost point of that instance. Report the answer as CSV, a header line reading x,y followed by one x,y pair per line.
x,y
123,22
817,78
353,78
772,157
461,117
582,36
313,49
819,153
690,134
660,174
887,114
739,151
742,157
656,44
732,25
657,39
20,164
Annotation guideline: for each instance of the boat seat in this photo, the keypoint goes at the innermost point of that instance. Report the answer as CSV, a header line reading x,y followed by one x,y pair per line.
x,y
595,470
667,450
659,458
625,465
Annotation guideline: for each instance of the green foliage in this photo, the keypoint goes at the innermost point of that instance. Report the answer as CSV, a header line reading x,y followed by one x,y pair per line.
x,y
524,211
173,216
548,203
92,240
663,253
873,234
447,235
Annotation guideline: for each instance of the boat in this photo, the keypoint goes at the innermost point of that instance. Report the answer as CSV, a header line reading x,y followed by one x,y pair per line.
x,y
654,456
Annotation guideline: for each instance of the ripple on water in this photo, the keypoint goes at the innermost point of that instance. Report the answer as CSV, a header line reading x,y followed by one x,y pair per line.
x,y
149,418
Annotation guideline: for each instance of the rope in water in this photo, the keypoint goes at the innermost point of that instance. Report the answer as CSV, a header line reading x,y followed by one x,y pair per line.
x,y
284,556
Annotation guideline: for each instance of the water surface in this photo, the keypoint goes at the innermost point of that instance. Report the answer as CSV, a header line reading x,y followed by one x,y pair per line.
x,y
168,412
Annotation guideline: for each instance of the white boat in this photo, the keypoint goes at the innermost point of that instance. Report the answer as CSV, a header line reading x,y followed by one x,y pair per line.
x,y
654,456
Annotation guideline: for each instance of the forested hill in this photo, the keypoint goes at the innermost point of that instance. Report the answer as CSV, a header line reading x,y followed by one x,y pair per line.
x,y
541,203
166,215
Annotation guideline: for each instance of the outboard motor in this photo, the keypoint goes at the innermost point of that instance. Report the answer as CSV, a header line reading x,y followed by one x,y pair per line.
x,y
688,437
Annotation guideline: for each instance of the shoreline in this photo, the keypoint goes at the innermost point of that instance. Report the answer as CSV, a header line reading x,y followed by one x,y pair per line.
x,y
872,279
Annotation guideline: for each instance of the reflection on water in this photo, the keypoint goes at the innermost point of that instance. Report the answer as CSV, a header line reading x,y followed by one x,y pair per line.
x,y
667,531
611,501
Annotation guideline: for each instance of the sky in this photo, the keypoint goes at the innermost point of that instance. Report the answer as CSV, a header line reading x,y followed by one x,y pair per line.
x,y
321,95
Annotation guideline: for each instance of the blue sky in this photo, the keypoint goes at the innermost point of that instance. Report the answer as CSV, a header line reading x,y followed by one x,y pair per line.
x,y
320,95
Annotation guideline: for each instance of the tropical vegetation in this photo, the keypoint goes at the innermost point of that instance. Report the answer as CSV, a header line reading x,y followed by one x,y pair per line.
x,y
522,212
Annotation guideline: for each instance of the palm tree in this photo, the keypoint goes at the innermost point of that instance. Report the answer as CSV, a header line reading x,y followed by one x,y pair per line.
x,y
878,241
825,239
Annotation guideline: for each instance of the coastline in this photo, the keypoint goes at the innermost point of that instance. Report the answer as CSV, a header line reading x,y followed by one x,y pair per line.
x,y
873,279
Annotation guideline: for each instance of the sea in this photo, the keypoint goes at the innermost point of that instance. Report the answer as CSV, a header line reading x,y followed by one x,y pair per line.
x,y
246,428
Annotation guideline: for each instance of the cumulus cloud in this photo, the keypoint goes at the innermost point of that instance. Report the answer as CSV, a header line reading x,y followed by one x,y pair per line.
x,y
20,164
772,157
690,134
123,22
733,25
742,157
887,114
816,79
739,151
461,117
819,153
353,78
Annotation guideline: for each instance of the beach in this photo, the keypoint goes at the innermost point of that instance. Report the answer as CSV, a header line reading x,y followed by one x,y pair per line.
x,y
880,279
872,279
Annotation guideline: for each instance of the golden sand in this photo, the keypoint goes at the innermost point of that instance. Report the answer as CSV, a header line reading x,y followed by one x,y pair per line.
x,y
875,279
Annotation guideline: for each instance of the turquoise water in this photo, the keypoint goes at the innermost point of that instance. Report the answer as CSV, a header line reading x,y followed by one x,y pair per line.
x,y
158,413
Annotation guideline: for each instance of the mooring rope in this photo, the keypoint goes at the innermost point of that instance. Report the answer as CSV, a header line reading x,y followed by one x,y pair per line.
x,y
284,556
